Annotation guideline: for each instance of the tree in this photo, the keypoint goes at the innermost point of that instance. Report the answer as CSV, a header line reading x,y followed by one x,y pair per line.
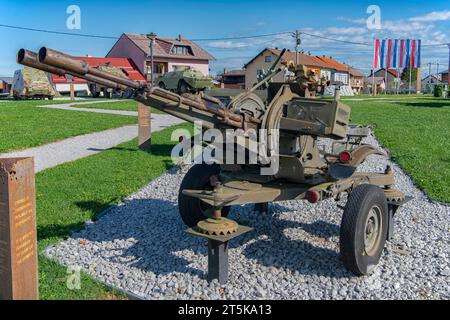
x,y
405,74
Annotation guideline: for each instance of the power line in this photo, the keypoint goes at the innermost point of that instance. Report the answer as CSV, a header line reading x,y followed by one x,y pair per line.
x,y
337,40
204,39
243,37
115,38
58,32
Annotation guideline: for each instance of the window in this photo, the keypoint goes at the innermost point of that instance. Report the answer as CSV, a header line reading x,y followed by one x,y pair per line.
x,y
342,77
268,59
183,50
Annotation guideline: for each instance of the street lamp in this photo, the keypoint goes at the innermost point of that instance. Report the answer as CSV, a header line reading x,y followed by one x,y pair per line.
x,y
152,37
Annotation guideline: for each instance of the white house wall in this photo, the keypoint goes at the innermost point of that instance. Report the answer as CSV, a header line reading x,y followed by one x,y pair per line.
x,y
65,87
202,67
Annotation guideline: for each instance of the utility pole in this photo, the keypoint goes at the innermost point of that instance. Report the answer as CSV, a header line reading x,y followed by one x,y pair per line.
x,y
152,37
448,70
386,77
429,76
298,41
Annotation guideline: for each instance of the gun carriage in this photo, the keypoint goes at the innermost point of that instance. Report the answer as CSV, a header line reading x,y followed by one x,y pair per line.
x,y
292,123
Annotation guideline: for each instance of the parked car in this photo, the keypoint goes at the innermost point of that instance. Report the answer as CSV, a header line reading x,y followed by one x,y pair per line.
x,y
184,80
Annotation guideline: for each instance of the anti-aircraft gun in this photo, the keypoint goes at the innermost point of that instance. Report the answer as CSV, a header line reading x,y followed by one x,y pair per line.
x,y
289,128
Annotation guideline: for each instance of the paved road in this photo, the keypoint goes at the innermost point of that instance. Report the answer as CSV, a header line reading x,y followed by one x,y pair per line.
x,y
55,153
68,106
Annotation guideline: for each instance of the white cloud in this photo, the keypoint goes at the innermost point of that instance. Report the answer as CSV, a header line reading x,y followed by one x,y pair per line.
x,y
433,16
227,44
356,21
358,55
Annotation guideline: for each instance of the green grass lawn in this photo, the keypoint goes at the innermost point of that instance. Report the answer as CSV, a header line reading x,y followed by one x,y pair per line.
x,y
417,134
24,125
72,193
124,104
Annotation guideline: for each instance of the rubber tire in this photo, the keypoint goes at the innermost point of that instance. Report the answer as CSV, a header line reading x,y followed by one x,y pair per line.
x,y
183,87
352,230
197,178
162,85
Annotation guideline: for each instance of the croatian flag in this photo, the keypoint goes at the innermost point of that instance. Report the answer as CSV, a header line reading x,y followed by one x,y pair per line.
x,y
394,62
401,61
417,53
383,46
407,55
389,54
376,54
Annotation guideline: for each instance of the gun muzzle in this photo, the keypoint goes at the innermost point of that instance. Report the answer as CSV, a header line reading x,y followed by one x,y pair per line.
x,y
30,59
63,61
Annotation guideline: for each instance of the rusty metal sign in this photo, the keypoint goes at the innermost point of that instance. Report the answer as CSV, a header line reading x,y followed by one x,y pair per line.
x,y
18,250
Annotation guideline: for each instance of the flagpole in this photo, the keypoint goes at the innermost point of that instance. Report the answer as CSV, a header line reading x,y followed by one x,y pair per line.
x,y
373,81
409,90
385,76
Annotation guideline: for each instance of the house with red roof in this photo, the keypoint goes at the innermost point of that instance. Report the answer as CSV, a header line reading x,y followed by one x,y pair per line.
x,y
168,54
392,78
326,67
127,66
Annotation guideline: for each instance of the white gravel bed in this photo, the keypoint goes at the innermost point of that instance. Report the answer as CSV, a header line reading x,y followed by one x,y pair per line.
x,y
293,253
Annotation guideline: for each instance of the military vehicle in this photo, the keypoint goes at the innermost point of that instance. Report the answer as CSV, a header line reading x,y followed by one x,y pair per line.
x,y
293,125
97,89
184,80
31,83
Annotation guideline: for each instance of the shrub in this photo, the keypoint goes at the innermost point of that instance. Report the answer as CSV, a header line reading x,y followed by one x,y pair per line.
x,y
438,90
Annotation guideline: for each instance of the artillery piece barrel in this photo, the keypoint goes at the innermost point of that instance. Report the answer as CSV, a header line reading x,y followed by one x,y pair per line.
x,y
30,59
66,62
208,105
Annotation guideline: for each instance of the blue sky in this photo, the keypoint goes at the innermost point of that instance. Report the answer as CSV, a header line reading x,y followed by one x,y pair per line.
x,y
345,20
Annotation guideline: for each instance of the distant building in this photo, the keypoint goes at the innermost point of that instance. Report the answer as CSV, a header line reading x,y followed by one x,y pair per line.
x,y
430,81
369,82
80,85
356,80
324,66
168,54
5,85
392,78
233,79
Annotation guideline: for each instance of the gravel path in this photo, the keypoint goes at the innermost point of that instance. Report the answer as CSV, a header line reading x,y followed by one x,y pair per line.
x,y
68,106
140,246
53,154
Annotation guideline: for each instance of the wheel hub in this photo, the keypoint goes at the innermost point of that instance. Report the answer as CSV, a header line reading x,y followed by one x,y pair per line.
x,y
372,231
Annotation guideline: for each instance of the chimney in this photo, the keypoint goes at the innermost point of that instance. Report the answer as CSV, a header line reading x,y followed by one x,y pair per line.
x,y
224,70
309,53
180,37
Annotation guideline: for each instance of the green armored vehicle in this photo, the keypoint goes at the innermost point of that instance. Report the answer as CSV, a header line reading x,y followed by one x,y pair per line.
x,y
184,80
31,83
96,89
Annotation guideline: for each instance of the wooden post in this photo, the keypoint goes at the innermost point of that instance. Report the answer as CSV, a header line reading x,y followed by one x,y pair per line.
x,y
145,127
419,80
18,251
72,91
